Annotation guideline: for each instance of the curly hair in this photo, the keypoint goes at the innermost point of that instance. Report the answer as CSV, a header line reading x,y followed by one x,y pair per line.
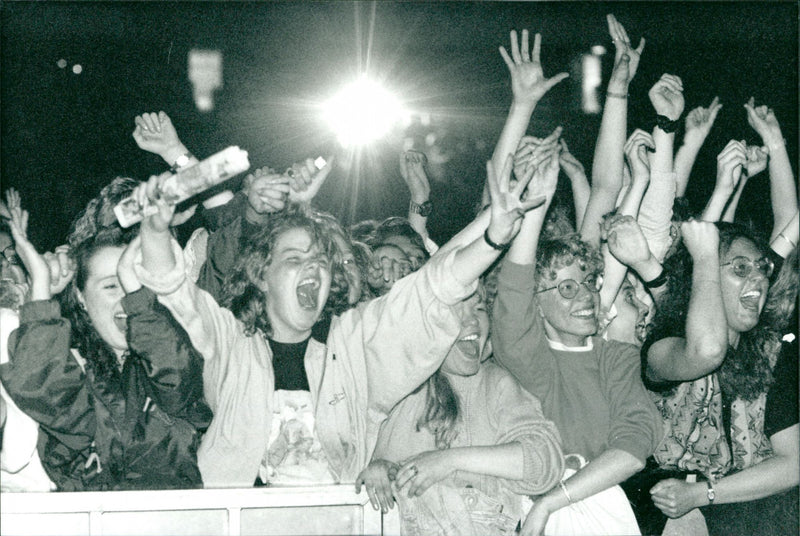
x,y
241,293
557,253
99,213
746,371
85,338
396,226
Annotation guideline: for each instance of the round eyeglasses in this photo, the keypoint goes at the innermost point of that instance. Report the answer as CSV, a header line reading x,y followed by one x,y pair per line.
x,y
742,266
569,288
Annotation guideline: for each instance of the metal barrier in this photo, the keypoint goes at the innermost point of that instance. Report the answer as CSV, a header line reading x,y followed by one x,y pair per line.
x,y
330,510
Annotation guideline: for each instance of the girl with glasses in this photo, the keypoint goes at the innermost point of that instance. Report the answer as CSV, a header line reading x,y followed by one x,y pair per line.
x,y
709,360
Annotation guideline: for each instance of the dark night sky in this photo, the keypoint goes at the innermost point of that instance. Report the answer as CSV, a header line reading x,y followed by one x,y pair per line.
x,y
64,135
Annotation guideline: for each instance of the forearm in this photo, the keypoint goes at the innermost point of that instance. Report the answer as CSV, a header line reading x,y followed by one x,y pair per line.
x,y
730,210
157,255
523,249
633,198
516,124
783,191
786,240
613,276
502,461
684,162
580,196
716,205
472,260
609,469
773,475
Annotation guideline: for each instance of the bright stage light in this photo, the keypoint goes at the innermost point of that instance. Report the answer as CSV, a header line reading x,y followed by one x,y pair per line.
x,y
362,112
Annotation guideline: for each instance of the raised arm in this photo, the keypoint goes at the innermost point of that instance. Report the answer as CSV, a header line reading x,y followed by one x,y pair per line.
x,y
698,124
576,173
756,163
783,190
729,171
655,214
706,342
412,169
155,133
608,153
528,85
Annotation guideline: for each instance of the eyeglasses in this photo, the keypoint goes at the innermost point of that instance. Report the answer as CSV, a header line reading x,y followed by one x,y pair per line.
x,y
742,266
11,255
569,288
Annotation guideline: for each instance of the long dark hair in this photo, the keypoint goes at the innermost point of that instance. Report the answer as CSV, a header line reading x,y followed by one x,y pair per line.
x,y
247,301
85,338
746,371
442,410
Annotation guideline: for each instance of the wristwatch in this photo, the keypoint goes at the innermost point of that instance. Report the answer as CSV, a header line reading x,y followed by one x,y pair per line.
x,y
423,209
181,162
710,493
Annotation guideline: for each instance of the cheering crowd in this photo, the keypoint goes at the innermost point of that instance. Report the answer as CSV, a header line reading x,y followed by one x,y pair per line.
x,y
594,366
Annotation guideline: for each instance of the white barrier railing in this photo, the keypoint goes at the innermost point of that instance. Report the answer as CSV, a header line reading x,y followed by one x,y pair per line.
x,y
233,512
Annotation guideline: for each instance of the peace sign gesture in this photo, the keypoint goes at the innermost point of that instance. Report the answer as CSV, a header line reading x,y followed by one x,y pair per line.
x,y
528,82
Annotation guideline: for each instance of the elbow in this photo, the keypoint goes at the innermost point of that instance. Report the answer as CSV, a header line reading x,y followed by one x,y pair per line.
x,y
710,354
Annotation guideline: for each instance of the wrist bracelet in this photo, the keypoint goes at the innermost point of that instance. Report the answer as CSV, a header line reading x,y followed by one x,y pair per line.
x,y
711,493
660,280
494,245
666,124
564,489
181,162
616,95
791,243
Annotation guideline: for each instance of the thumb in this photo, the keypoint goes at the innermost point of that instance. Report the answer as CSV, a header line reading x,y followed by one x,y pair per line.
x,y
556,79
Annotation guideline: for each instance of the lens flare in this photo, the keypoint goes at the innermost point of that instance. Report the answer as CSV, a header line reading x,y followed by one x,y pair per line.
x,y
362,112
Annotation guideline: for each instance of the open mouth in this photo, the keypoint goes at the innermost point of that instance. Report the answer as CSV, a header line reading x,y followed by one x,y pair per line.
x,y
469,345
751,300
308,293
121,321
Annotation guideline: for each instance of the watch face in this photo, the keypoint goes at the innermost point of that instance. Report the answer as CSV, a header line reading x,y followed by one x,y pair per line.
x,y
182,160
424,209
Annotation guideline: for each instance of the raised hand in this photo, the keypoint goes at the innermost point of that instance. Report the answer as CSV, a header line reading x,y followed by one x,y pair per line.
x,y
125,273
762,119
666,95
306,180
729,165
267,190
149,193
625,240
156,134
569,164
423,470
636,154
701,239
531,152
387,268
36,266
412,169
377,478
757,160
626,58
528,82
700,120
509,205
62,268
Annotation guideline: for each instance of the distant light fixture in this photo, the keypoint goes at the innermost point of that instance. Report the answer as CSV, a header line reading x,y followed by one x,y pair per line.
x,y
598,50
205,74
362,112
591,78
62,63
77,68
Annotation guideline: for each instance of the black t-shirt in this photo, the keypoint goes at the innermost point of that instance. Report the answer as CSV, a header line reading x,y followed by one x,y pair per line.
x,y
288,362
782,404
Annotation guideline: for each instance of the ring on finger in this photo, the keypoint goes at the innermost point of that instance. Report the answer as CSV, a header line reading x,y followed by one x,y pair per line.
x,y
414,471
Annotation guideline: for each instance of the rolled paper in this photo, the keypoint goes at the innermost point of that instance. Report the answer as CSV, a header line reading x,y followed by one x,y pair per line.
x,y
187,183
